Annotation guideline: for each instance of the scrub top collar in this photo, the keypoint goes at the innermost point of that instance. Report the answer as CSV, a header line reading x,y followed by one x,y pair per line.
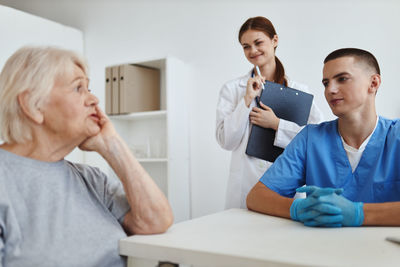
x,y
368,157
364,144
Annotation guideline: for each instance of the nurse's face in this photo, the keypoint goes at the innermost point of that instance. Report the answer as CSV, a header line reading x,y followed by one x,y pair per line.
x,y
258,48
347,86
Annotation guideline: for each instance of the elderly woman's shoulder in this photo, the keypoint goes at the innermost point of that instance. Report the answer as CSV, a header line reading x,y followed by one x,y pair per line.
x,y
93,175
85,170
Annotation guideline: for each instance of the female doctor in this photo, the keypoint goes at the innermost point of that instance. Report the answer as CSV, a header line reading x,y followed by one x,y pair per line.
x,y
237,109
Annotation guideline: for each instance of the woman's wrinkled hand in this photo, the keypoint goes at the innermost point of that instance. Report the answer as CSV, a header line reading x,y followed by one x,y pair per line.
x,y
99,141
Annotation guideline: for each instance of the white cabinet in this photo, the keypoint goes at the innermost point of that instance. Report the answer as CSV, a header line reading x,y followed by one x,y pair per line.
x,y
160,139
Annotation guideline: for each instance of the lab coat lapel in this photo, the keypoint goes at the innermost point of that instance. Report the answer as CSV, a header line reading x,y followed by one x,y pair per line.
x,y
244,79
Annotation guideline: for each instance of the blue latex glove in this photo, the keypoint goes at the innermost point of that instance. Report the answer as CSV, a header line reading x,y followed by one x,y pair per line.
x,y
316,191
352,212
302,209
320,215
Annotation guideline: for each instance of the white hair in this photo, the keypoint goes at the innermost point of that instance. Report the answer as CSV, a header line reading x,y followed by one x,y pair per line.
x,y
32,69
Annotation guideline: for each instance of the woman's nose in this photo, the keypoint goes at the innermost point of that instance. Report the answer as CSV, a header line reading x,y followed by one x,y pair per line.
x,y
91,99
253,49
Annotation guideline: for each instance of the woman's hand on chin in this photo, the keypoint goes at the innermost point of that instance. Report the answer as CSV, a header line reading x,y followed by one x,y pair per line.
x,y
99,142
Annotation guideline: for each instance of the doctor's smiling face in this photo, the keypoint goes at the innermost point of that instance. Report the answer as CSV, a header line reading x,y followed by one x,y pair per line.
x,y
350,85
258,48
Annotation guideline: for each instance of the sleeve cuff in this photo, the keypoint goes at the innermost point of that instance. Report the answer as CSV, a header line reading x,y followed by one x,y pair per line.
x,y
287,130
359,219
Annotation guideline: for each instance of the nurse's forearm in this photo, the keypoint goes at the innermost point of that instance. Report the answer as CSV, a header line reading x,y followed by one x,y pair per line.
x,y
387,214
264,200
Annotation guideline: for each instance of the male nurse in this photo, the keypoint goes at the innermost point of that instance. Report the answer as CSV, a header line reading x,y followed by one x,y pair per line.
x,y
351,165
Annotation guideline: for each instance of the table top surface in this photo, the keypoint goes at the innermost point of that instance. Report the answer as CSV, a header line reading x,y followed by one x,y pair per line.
x,y
239,237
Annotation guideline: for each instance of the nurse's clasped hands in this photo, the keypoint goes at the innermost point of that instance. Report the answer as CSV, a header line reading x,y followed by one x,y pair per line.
x,y
326,207
303,209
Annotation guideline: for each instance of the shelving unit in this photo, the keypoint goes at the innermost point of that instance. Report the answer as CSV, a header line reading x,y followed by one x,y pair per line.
x,y
160,139
141,115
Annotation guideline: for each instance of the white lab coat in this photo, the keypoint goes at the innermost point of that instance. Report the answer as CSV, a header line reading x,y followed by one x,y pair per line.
x,y
232,132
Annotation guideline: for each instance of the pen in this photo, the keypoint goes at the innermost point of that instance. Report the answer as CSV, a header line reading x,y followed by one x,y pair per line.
x,y
393,239
259,74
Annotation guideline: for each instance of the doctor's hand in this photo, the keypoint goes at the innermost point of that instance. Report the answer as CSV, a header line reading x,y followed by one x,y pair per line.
x,y
253,89
264,117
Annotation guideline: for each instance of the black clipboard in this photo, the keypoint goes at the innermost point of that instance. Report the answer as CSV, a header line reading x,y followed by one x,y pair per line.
x,y
288,104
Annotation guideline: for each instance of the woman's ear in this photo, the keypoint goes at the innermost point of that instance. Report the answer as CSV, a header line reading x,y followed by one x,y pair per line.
x,y
33,113
375,83
275,41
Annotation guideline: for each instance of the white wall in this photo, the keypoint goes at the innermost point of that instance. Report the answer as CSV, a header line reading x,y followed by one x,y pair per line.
x,y
18,29
204,34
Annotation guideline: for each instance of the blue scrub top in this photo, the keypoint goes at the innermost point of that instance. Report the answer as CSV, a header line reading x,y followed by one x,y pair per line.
x,y
316,156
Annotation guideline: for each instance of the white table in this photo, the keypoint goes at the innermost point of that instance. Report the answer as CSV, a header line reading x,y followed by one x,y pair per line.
x,y
239,237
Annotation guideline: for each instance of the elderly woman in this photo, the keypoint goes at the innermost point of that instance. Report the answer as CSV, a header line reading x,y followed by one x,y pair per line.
x,y
54,212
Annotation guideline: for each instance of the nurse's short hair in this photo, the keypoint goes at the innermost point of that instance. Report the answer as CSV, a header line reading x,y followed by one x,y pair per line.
x,y
34,69
360,55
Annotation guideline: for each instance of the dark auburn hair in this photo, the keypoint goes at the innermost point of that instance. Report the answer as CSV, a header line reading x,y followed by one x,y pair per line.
x,y
265,25
359,54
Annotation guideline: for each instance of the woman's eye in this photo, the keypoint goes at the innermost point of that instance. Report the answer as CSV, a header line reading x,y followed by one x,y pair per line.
x,y
78,88
325,84
343,79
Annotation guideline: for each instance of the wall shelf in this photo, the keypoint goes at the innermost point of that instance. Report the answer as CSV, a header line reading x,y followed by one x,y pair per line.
x,y
158,114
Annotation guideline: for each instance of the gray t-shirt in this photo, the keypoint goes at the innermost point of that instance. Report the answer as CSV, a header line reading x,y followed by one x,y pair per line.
x,y
58,214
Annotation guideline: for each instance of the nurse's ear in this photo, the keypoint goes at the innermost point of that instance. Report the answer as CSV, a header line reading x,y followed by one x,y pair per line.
x,y
375,82
275,41
32,112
